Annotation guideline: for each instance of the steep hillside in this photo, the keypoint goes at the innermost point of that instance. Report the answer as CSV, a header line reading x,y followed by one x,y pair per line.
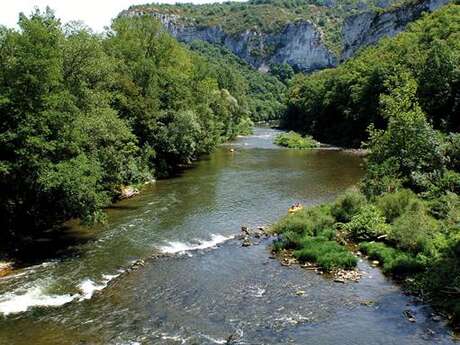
x,y
307,35
265,93
338,105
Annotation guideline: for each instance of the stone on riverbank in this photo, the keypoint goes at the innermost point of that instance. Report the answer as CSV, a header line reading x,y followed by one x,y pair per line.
x,y
5,268
128,192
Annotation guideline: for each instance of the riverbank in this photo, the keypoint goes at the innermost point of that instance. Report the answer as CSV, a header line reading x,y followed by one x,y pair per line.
x,y
319,236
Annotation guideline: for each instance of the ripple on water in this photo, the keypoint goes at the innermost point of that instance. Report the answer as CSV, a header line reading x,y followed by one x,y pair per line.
x,y
213,295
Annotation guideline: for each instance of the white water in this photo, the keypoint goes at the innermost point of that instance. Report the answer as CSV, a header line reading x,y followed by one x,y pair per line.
x,y
89,287
22,300
175,247
38,296
33,297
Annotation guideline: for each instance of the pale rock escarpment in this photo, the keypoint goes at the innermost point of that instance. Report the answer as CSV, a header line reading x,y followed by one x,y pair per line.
x,y
300,44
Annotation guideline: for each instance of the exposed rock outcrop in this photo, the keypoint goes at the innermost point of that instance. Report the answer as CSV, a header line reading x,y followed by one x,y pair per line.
x,y
300,44
369,27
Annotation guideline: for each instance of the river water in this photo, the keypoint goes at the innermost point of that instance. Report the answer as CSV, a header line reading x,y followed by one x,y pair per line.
x,y
209,289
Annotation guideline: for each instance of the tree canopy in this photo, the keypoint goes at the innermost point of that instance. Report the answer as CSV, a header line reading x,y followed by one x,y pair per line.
x,y
83,115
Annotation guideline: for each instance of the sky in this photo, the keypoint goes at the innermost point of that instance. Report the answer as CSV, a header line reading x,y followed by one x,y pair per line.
x,y
94,13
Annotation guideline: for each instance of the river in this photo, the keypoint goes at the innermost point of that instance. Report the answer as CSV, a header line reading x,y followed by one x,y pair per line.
x,y
209,289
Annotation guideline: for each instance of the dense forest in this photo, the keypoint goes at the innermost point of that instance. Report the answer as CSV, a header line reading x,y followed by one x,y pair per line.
x,y
337,105
406,212
265,92
84,115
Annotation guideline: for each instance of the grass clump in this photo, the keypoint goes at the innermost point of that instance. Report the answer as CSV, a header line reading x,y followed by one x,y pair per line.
x,y
294,140
327,254
393,205
414,231
393,261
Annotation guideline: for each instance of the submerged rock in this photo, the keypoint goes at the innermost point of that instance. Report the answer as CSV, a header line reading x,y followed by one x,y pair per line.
x,y
246,242
409,315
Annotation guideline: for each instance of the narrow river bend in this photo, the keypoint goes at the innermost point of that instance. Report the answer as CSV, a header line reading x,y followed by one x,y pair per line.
x,y
210,289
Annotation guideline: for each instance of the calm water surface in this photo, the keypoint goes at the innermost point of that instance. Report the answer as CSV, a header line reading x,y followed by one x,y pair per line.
x,y
210,288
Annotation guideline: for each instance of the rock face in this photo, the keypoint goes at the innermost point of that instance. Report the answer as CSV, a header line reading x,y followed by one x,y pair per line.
x,y
299,44
367,28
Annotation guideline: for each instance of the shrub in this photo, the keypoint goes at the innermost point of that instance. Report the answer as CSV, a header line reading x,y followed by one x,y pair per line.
x,y
377,251
368,223
347,205
452,151
294,140
414,230
403,265
393,205
289,240
442,278
296,223
394,261
449,182
446,206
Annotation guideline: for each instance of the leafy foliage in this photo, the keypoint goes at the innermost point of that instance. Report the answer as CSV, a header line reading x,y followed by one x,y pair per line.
x,y
367,224
294,140
262,93
83,115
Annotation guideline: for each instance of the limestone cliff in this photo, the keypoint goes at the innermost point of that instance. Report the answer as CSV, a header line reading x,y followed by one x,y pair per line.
x,y
299,43
367,28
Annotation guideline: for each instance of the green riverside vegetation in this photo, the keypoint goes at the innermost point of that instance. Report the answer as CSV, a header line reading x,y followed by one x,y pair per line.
x,y
406,212
294,140
84,115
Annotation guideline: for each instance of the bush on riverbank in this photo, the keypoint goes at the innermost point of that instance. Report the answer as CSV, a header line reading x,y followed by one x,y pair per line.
x,y
294,140
311,233
393,261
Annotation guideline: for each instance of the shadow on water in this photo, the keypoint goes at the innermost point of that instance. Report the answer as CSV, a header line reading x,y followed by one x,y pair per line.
x,y
56,244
